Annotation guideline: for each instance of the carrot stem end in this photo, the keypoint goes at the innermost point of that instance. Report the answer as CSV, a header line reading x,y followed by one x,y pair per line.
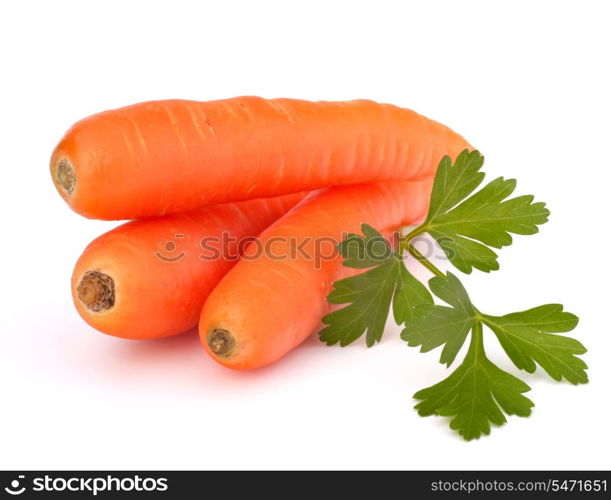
x,y
65,176
221,342
97,291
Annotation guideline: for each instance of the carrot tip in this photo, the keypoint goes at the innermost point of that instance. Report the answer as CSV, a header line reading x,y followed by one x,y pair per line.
x,y
97,291
221,342
65,176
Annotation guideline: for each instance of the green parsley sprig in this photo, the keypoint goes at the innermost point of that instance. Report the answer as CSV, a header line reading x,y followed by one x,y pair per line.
x,y
466,225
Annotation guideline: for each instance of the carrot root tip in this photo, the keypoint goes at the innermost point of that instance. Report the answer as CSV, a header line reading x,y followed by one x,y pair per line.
x,y
97,291
221,342
65,176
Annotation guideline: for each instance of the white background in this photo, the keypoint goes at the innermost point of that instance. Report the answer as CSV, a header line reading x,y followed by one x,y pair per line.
x,y
526,82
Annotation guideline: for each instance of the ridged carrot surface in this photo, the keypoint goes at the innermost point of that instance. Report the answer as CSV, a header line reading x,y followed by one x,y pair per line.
x,y
147,278
265,307
173,156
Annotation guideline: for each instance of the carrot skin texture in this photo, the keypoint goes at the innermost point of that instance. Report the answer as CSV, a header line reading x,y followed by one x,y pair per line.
x,y
272,305
173,156
160,290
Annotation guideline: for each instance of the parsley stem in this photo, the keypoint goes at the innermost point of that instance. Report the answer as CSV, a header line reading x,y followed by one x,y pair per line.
x,y
413,233
414,252
477,337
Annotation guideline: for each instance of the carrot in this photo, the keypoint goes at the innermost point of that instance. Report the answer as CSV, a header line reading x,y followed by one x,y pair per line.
x,y
149,278
265,307
172,156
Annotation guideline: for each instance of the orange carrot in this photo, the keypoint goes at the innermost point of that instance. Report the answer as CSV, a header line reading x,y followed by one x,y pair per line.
x,y
149,278
172,156
265,307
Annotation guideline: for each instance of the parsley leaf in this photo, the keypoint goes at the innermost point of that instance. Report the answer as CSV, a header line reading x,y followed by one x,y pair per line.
x,y
525,336
362,252
467,226
476,394
371,293
409,295
464,227
437,325
453,183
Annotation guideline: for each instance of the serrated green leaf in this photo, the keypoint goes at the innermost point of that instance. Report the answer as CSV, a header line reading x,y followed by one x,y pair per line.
x,y
436,325
454,182
369,295
476,394
466,227
487,218
362,252
409,294
466,254
525,336
449,289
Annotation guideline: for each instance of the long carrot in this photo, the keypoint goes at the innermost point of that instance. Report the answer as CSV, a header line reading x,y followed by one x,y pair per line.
x,y
265,307
149,278
172,156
